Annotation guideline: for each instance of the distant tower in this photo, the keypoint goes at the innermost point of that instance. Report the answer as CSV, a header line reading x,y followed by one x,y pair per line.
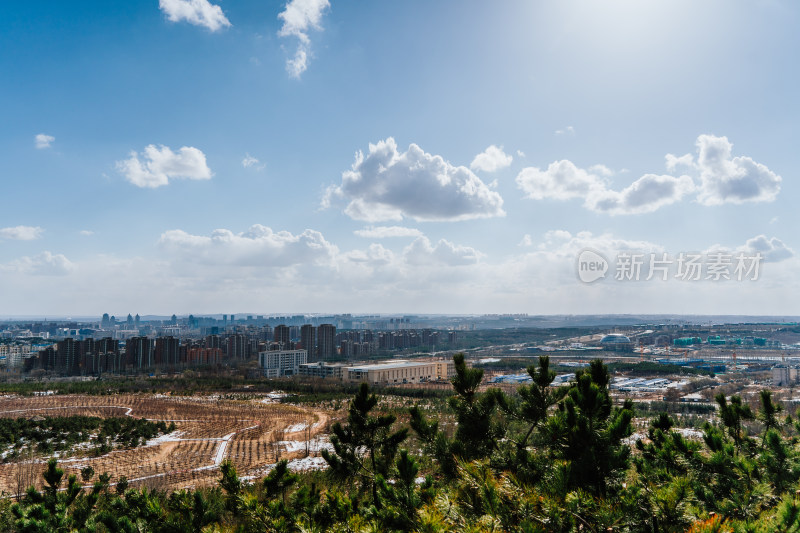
x,y
308,338
173,320
136,320
105,321
129,321
326,342
281,335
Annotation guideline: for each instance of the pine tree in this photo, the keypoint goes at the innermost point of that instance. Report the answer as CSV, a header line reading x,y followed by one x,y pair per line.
x,y
587,431
366,446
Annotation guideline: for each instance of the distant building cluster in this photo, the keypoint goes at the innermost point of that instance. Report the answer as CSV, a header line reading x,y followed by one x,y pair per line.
x,y
134,344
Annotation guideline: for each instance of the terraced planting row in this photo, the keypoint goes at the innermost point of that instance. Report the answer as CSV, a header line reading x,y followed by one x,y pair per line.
x,y
208,431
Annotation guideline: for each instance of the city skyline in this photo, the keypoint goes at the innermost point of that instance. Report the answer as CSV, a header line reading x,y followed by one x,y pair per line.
x,y
325,156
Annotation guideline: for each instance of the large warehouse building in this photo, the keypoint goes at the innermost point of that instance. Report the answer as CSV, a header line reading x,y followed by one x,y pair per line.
x,y
395,372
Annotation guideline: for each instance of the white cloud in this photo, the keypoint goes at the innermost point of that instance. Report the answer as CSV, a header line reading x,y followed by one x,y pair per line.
x,y
21,233
569,130
207,272
87,233
259,246
375,255
300,16
43,264
673,161
385,184
197,12
250,161
160,164
43,141
383,232
491,159
602,170
562,180
723,179
726,179
520,153
526,241
771,249
645,195
422,252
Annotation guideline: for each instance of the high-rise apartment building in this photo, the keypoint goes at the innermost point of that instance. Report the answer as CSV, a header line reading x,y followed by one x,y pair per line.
x,y
237,346
139,352
326,342
308,338
281,335
167,351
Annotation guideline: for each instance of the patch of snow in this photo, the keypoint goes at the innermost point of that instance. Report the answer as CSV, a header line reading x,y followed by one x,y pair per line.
x,y
314,445
168,437
222,447
690,433
630,441
307,463
274,397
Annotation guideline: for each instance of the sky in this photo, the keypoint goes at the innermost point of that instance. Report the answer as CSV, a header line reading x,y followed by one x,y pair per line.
x,y
332,156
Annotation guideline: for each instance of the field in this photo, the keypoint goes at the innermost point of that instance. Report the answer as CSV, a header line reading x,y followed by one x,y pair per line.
x,y
253,433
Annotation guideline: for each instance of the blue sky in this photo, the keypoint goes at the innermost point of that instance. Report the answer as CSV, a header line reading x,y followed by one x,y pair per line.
x,y
202,155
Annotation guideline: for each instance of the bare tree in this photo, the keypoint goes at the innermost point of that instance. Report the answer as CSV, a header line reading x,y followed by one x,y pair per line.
x,y
25,473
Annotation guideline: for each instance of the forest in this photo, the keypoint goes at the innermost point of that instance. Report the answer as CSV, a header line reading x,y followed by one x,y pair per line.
x,y
541,459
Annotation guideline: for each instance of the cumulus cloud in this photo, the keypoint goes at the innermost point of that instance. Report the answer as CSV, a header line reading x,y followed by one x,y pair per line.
x,y
726,179
563,243
645,195
601,170
722,179
87,233
383,232
43,264
155,166
259,246
197,12
423,252
375,255
43,141
771,249
562,180
569,130
673,162
491,159
386,184
300,16
526,241
21,233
